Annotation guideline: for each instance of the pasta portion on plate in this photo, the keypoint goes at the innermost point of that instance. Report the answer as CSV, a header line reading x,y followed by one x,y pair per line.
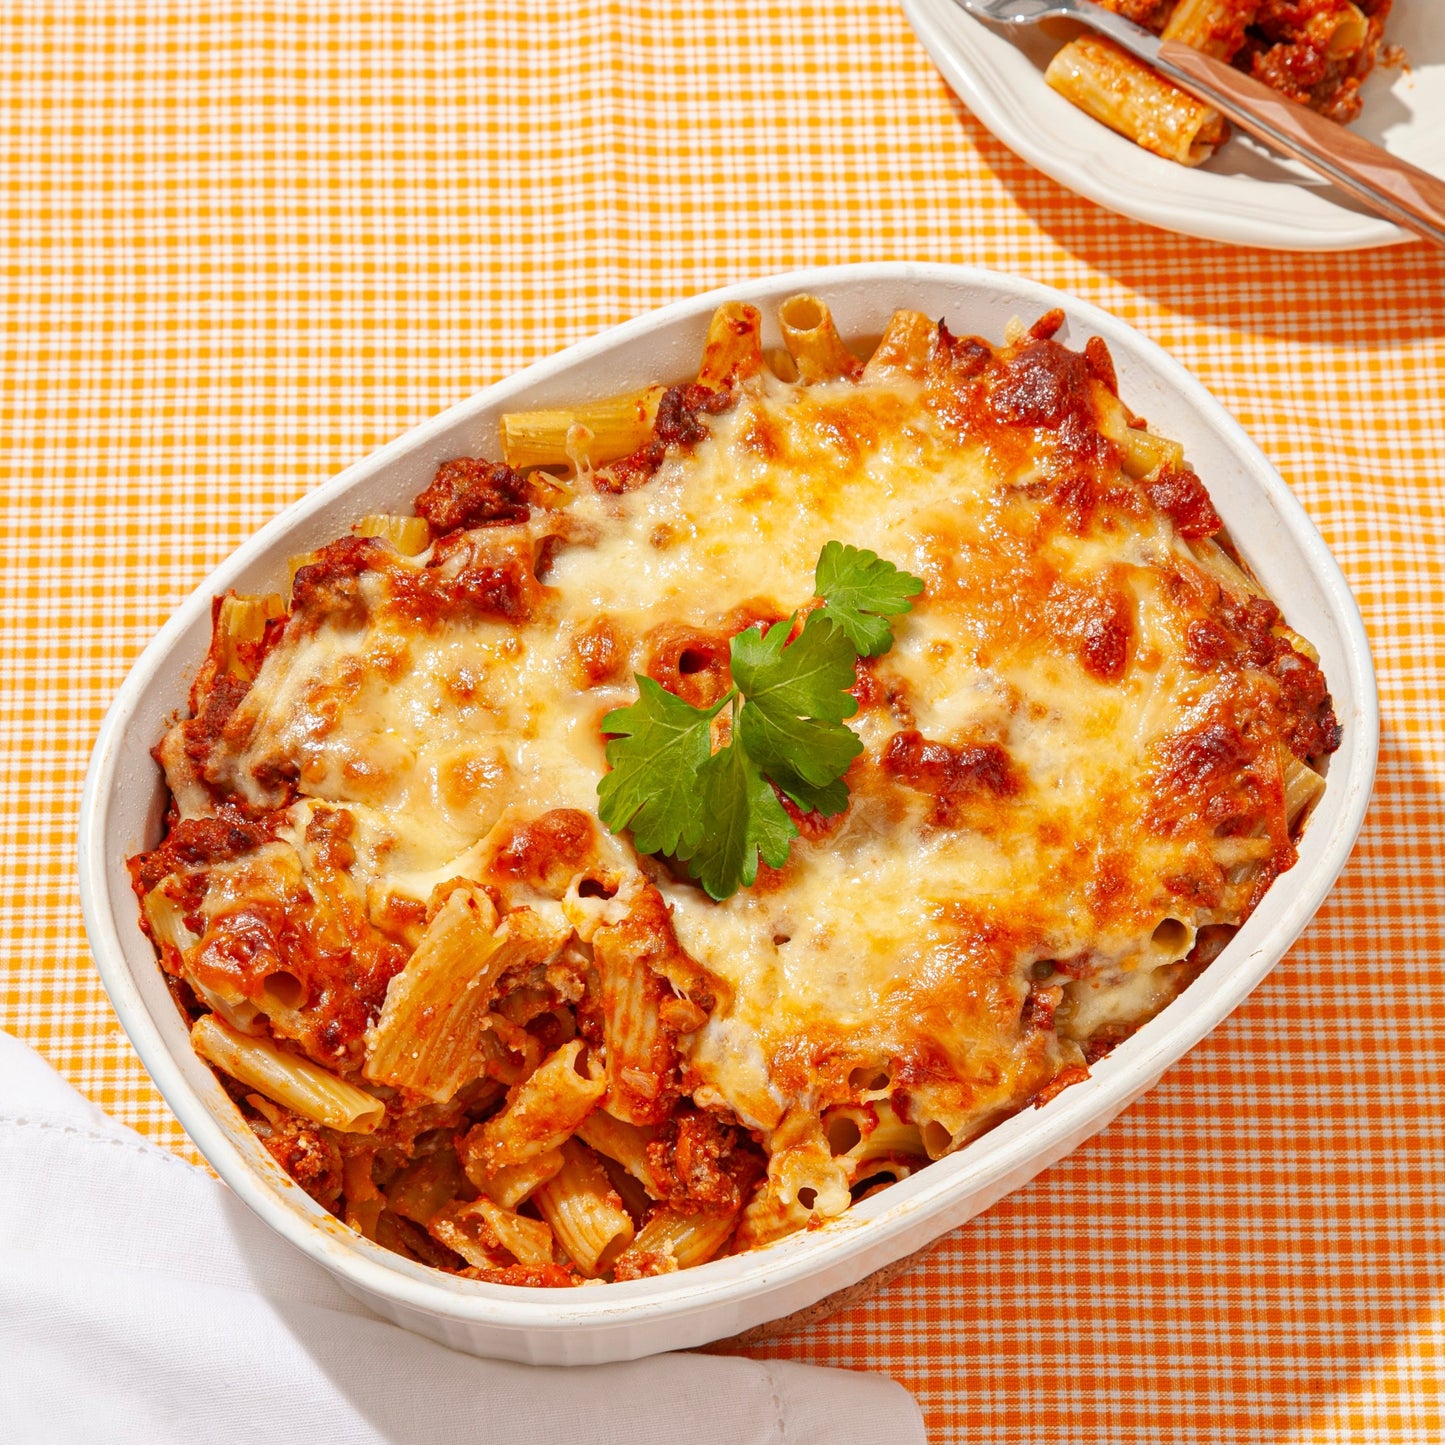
x,y
739,795
1316,52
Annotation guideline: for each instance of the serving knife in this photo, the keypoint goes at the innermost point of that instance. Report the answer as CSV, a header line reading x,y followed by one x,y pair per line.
x,y
1404,193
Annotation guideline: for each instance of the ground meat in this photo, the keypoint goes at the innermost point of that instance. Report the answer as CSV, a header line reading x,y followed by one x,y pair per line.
x,y
698,1161
678,424
195,843
470,492
305,1153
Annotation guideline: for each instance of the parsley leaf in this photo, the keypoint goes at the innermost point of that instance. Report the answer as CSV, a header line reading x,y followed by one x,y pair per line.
x,y
744,818
788,750
862,591
797,696
718,811
809,679
661,746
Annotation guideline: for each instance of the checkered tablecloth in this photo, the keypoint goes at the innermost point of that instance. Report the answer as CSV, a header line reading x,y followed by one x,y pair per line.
x,y
244,245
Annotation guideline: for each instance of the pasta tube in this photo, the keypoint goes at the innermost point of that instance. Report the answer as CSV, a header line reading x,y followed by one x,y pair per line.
x,y
303,1087
615,427
640,1053
813,341
734,348
410,536
427,1038
1302,789
510,1185
673,1240
624,1143
905,347
543,1111
240,627
1214,27
584,1211
1128,97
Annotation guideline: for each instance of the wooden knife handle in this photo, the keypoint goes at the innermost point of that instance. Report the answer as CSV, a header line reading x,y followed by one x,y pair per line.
x,y
1409,196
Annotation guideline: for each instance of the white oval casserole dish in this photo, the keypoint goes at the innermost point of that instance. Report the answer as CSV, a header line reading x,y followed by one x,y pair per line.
x,y
124,801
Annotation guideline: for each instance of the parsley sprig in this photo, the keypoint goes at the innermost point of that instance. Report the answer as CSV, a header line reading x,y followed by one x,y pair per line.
x,y
718,811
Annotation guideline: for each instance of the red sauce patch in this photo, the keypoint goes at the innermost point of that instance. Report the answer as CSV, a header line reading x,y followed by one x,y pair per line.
x,y
1203,889
811,826
762,613
1241,635
214,700
202,842
962,356
1312,729
1207,644
530,1276
1180,495
649,926
1066,1078
867,689
471,492
1101,363
502,588
1048,325
1098,625
492,580
340,966
1041,385
1207,755
950,775
329,834
1040,1005
330,586
1213,779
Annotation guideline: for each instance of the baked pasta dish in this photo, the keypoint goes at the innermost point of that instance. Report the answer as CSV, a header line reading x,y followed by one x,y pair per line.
x,y
1314,52
739,795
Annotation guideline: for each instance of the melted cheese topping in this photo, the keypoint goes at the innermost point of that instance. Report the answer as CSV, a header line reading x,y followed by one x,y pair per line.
x,y
1046,811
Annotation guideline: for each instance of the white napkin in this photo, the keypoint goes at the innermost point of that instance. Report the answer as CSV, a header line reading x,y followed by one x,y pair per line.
x,y
132,1308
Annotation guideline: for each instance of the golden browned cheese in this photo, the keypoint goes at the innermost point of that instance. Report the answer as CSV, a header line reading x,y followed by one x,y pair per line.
x,y
1073,782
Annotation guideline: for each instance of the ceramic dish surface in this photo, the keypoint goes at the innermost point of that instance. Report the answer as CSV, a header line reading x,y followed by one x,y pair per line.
x,y
125,800
1244,194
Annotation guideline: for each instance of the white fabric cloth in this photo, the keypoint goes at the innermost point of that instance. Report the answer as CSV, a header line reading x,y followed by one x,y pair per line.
x,y
140,1301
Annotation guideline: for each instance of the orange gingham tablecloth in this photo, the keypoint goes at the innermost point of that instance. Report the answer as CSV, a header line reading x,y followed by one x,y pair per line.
x,y
244,245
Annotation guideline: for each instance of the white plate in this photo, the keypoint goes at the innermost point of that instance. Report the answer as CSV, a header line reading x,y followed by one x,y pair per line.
x,y
1244,194
123,806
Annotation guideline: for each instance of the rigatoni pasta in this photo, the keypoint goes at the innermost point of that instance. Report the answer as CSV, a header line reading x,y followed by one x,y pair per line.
x,y
585,1212
1109,84
307,1090
438,1007
614,427
494,1036
1317,54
